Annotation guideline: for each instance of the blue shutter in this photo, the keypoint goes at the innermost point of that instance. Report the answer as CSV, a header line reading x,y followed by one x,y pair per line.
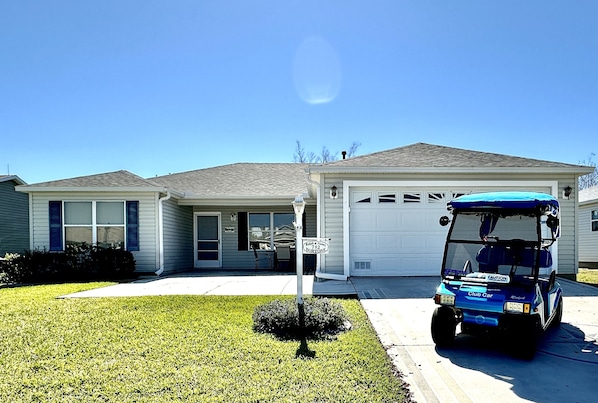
x,y
132,225
55,211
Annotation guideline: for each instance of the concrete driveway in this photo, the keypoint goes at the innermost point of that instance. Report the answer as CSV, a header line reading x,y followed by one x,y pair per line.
x,y
565,368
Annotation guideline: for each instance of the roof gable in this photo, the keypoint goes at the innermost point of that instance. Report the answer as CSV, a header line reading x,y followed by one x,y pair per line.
x,y
14,178
117,179
422,155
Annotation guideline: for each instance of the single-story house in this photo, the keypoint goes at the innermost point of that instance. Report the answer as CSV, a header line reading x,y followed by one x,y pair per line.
x,y
14,216
379,211
588,227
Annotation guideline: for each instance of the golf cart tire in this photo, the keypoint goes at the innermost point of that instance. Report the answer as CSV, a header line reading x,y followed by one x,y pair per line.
x,y
443,326
525,339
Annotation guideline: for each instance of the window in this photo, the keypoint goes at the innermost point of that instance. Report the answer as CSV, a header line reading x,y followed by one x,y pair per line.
x,y
595,220
435,197
102,223
412,197
387,197
270,230
362,197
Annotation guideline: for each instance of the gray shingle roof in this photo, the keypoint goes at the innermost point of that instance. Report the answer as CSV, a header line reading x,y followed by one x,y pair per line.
x,y
422,155
588,194
5,178
240,180
117,179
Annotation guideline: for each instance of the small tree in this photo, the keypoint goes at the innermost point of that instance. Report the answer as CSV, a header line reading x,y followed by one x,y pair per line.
x,y
590,179
301,156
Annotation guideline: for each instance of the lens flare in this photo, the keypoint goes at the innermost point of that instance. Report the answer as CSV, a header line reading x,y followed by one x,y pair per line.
x,y
317,71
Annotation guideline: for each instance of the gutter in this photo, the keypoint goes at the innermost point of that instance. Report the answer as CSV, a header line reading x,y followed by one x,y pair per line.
x,y
161,200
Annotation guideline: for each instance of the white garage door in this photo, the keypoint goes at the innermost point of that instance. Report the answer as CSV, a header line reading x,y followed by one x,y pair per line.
x,y
396,231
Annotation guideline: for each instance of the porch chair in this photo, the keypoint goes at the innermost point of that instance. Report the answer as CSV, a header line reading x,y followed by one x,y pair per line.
x,y
263,256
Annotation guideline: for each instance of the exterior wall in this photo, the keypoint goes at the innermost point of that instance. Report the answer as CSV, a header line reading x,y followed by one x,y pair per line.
x,y
178,236
14,219
146,258
232,258
588,239
333,210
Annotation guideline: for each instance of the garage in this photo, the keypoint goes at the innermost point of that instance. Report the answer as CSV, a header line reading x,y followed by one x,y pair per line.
x,y
395,231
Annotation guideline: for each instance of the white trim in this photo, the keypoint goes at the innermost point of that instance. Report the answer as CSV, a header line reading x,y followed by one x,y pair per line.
x,y
347,184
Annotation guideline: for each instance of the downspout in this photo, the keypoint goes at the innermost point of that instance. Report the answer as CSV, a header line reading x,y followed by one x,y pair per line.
x,y
161,232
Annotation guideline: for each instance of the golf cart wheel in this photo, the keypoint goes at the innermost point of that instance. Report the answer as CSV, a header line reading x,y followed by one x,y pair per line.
x,y
443,326
525,339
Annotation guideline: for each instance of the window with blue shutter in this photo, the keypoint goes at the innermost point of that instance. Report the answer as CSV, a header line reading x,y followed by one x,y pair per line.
x,y
132,225
55,212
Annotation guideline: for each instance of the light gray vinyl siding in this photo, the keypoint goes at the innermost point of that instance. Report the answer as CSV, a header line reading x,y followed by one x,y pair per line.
x,y
567,243
588,239
14,219
232,258
178,236
332,227
145,258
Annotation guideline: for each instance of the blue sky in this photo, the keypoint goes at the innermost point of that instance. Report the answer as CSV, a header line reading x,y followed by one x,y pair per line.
x,y
157,87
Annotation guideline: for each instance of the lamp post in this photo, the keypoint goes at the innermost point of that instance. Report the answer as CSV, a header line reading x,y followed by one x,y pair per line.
x,y
299,207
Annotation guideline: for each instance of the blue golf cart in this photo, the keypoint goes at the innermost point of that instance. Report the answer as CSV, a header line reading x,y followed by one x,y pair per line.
x,y
497,269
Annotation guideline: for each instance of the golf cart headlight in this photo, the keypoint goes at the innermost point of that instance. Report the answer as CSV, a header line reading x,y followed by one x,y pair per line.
x,y
516,307
444,299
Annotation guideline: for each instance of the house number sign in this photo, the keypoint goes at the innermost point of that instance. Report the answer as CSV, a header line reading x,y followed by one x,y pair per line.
x,y
314,246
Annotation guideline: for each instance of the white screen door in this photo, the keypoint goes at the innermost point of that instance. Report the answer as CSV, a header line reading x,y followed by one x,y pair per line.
x,y
207,240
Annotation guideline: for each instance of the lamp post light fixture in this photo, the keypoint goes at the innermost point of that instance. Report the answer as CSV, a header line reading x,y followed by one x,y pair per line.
x,y
299,207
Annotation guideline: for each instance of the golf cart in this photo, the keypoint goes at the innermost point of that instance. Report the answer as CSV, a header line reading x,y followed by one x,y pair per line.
x,y
497,269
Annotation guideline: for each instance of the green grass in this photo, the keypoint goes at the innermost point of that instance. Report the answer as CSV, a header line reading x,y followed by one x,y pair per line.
x,y
176,348
588,276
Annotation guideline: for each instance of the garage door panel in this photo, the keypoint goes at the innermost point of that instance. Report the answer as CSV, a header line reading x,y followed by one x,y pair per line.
x,y
386,220
362,243
413,220
416,243
386,243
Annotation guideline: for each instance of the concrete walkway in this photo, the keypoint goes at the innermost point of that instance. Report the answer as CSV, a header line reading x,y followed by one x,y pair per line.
x,y
565,368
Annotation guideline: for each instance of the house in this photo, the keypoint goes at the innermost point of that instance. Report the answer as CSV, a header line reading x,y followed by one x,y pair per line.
x,y
588,227
14,216
379,211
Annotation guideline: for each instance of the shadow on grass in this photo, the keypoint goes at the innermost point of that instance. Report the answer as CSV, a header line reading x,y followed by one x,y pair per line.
x,y
303,351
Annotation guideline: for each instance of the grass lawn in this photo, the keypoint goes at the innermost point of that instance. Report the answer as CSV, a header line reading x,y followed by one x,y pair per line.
x,y
588,276
176,348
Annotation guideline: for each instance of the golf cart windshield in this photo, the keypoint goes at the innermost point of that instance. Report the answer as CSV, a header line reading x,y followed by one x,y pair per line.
x,y
508,248
493,239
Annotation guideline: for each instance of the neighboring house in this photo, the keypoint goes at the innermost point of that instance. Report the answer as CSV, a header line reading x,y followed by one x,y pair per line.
x,y
380,211
14,216
588,227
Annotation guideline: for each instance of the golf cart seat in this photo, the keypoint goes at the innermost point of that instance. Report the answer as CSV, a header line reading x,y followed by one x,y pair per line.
x,y
490,258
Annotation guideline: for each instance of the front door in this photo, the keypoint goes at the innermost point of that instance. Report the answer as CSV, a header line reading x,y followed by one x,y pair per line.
x,y
208,251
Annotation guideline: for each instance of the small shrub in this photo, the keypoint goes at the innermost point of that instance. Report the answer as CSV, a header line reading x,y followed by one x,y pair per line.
x,y
324,319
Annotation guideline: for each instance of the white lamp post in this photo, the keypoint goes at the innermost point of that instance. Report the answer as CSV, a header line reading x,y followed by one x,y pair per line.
x,y
299,207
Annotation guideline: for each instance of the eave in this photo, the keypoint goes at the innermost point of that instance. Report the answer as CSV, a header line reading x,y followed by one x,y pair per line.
x,y
576,170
